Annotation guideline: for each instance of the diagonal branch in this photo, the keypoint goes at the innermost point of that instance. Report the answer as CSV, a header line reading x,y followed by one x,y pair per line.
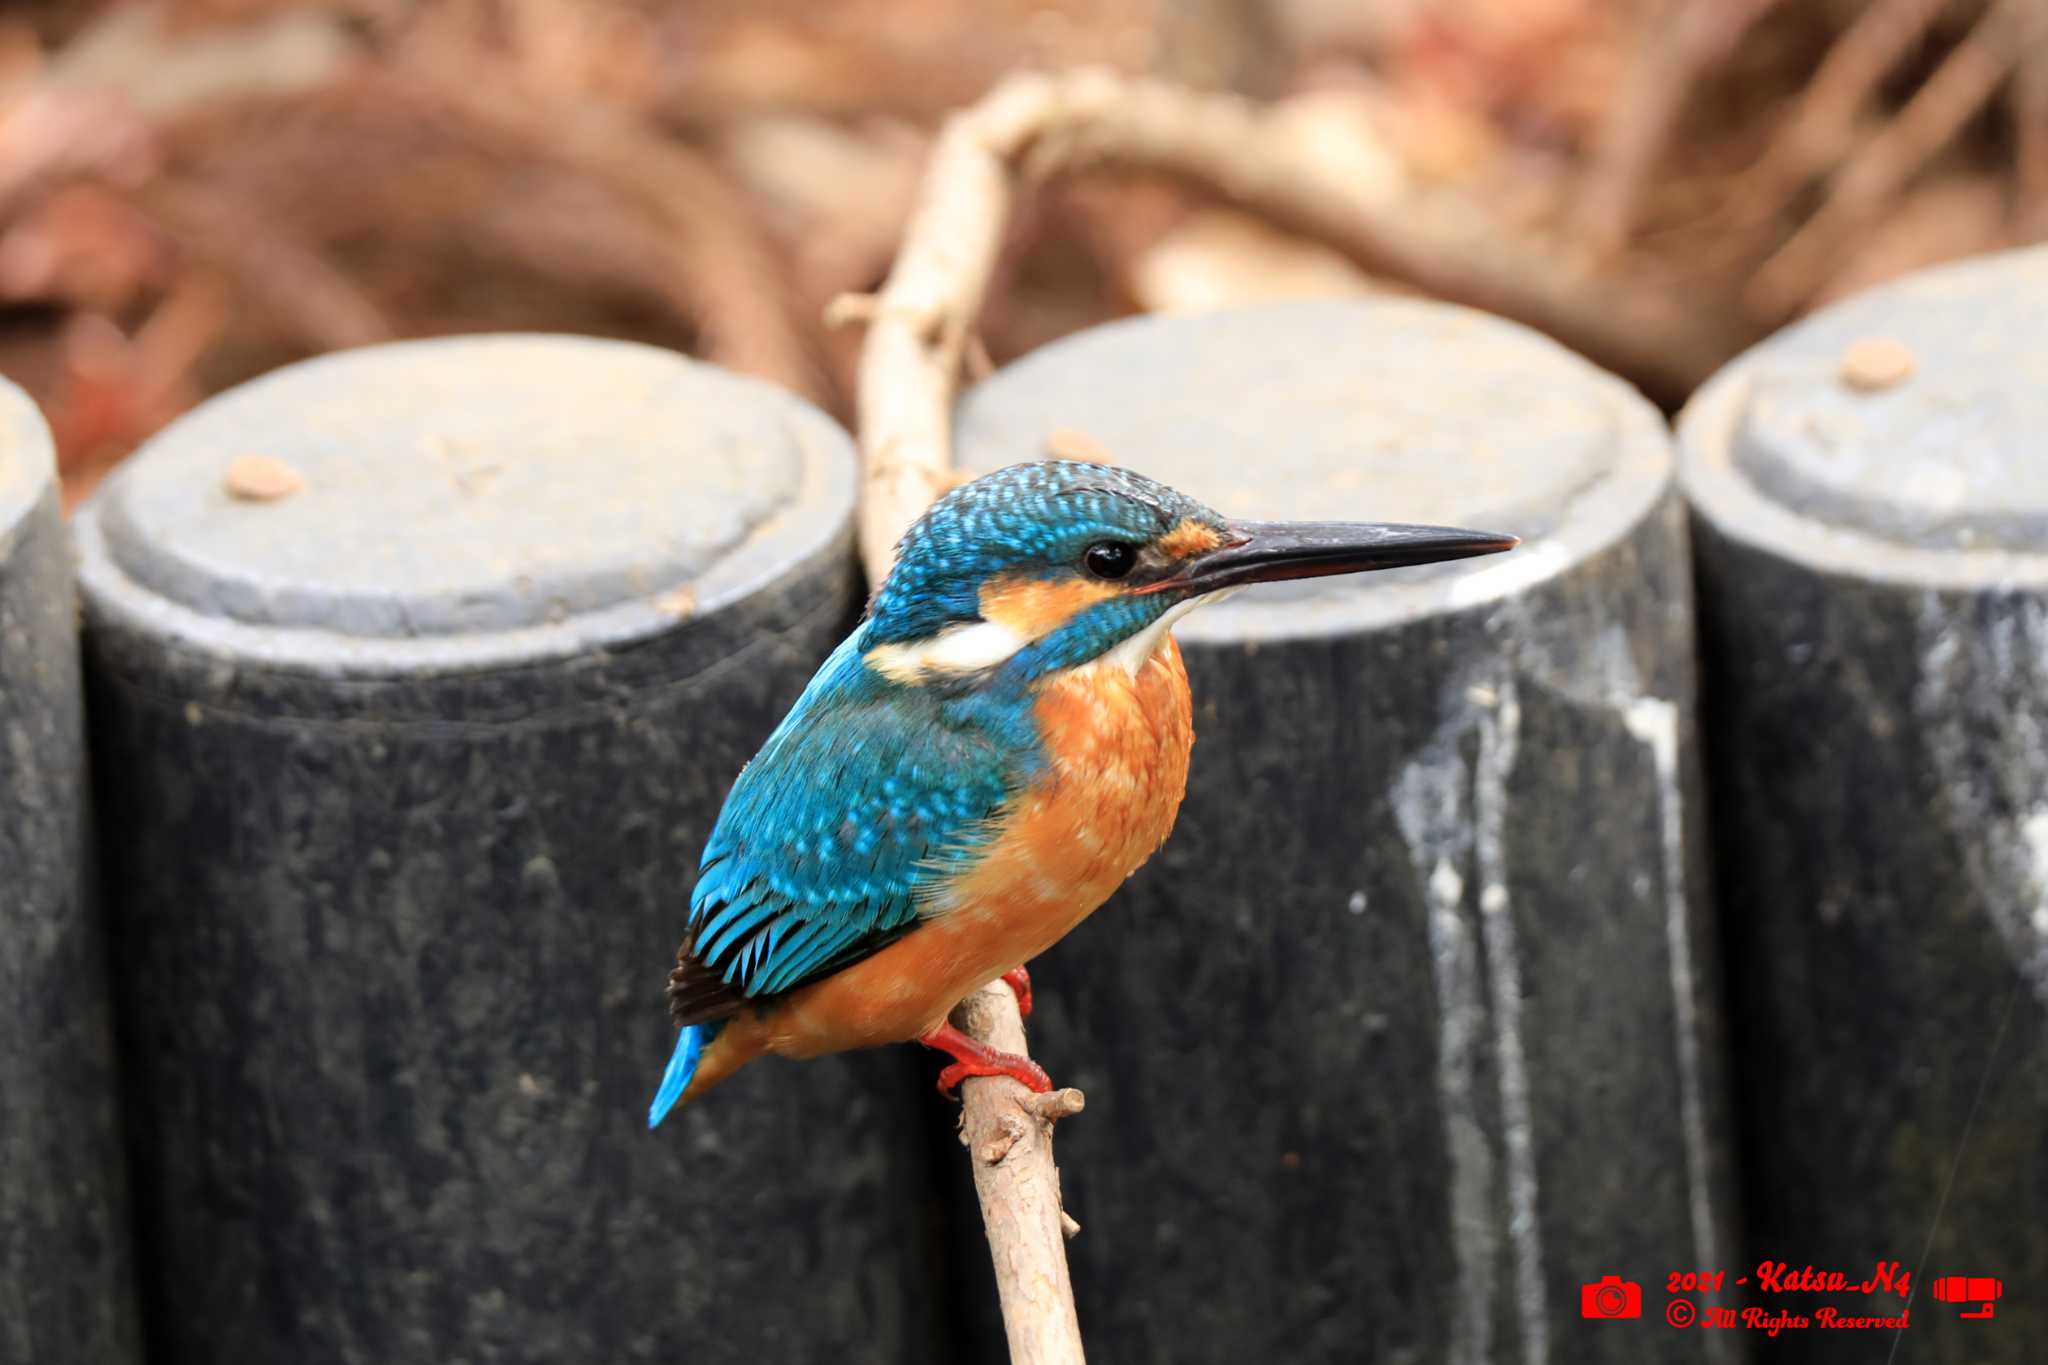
x,y
1033,127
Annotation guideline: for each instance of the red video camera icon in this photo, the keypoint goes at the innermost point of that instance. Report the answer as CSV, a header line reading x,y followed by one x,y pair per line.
x,y
1611,1296
1970,1289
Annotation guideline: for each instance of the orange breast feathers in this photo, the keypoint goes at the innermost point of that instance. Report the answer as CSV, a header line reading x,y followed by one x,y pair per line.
x,y
1116,745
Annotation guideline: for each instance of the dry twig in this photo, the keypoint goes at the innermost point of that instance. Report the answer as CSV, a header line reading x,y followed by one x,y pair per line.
x,y
1443,244
1008,1131
1035,126
918,330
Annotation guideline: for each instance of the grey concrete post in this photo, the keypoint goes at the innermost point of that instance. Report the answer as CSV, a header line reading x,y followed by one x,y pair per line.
x,y
66,1278
1411,1029
407,774
1872,531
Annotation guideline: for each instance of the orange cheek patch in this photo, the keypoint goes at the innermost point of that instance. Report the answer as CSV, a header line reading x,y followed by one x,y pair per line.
x,y
1032,608
1190,537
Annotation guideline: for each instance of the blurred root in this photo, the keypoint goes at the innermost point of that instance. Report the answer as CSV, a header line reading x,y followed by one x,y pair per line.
x,y
1960,87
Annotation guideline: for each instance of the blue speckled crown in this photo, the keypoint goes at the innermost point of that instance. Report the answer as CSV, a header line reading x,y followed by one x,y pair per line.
x,y
1026,518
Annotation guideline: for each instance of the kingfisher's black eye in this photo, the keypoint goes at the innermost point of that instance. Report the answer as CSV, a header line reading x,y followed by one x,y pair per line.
x,y
1111,558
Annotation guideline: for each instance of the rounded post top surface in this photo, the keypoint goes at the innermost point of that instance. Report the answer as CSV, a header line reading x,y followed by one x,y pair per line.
x,y
28,461
465,499
1892,434
1365,410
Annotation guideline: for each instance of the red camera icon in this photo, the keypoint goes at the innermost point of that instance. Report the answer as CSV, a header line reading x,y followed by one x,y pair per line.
x,y
1962,1289
1611,1296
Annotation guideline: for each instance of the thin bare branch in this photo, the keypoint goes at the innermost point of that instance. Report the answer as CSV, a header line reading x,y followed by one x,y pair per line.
x,y
1009,1132
1036,126
918,339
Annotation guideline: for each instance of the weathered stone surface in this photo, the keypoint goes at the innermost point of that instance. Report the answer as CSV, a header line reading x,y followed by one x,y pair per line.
x,y
66,1275
1873,564
409,773
1411,1029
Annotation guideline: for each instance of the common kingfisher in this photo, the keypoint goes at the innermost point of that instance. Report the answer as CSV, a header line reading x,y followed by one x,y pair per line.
x,y
1001,742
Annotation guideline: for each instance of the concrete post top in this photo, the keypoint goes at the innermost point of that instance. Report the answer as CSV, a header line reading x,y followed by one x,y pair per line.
x,y
1894,435
464,501
1377,410
27,460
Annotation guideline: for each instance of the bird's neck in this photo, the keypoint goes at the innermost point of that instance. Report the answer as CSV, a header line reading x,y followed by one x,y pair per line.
x,y
993,653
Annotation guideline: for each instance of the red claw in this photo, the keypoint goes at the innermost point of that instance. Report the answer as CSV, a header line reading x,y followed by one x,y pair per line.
x,y
1019,982
971,1058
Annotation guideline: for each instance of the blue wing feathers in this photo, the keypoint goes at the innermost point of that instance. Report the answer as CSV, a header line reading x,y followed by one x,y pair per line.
x,y
864,797
814,940
729,923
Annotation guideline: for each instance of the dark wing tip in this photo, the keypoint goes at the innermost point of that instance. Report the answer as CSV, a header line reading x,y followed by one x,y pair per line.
x,y
698,995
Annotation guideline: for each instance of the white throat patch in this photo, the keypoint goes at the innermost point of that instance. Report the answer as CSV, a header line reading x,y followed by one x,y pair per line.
x,y
1134,653
978,645
958,649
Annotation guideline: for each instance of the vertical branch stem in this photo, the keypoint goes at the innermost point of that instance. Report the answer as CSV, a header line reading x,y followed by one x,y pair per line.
x,y
909,367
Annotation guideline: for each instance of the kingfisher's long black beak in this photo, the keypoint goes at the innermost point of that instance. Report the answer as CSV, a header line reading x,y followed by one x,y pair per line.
x,y
1267,551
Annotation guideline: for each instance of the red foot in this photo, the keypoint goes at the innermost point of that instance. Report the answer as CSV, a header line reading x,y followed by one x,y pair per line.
x,y
1019,982
979,1059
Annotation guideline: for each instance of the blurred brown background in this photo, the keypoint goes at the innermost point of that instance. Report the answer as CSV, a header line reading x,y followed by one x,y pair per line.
x,y
195,191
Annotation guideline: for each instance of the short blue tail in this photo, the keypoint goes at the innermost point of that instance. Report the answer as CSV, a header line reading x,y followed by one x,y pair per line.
x,y
682,1064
